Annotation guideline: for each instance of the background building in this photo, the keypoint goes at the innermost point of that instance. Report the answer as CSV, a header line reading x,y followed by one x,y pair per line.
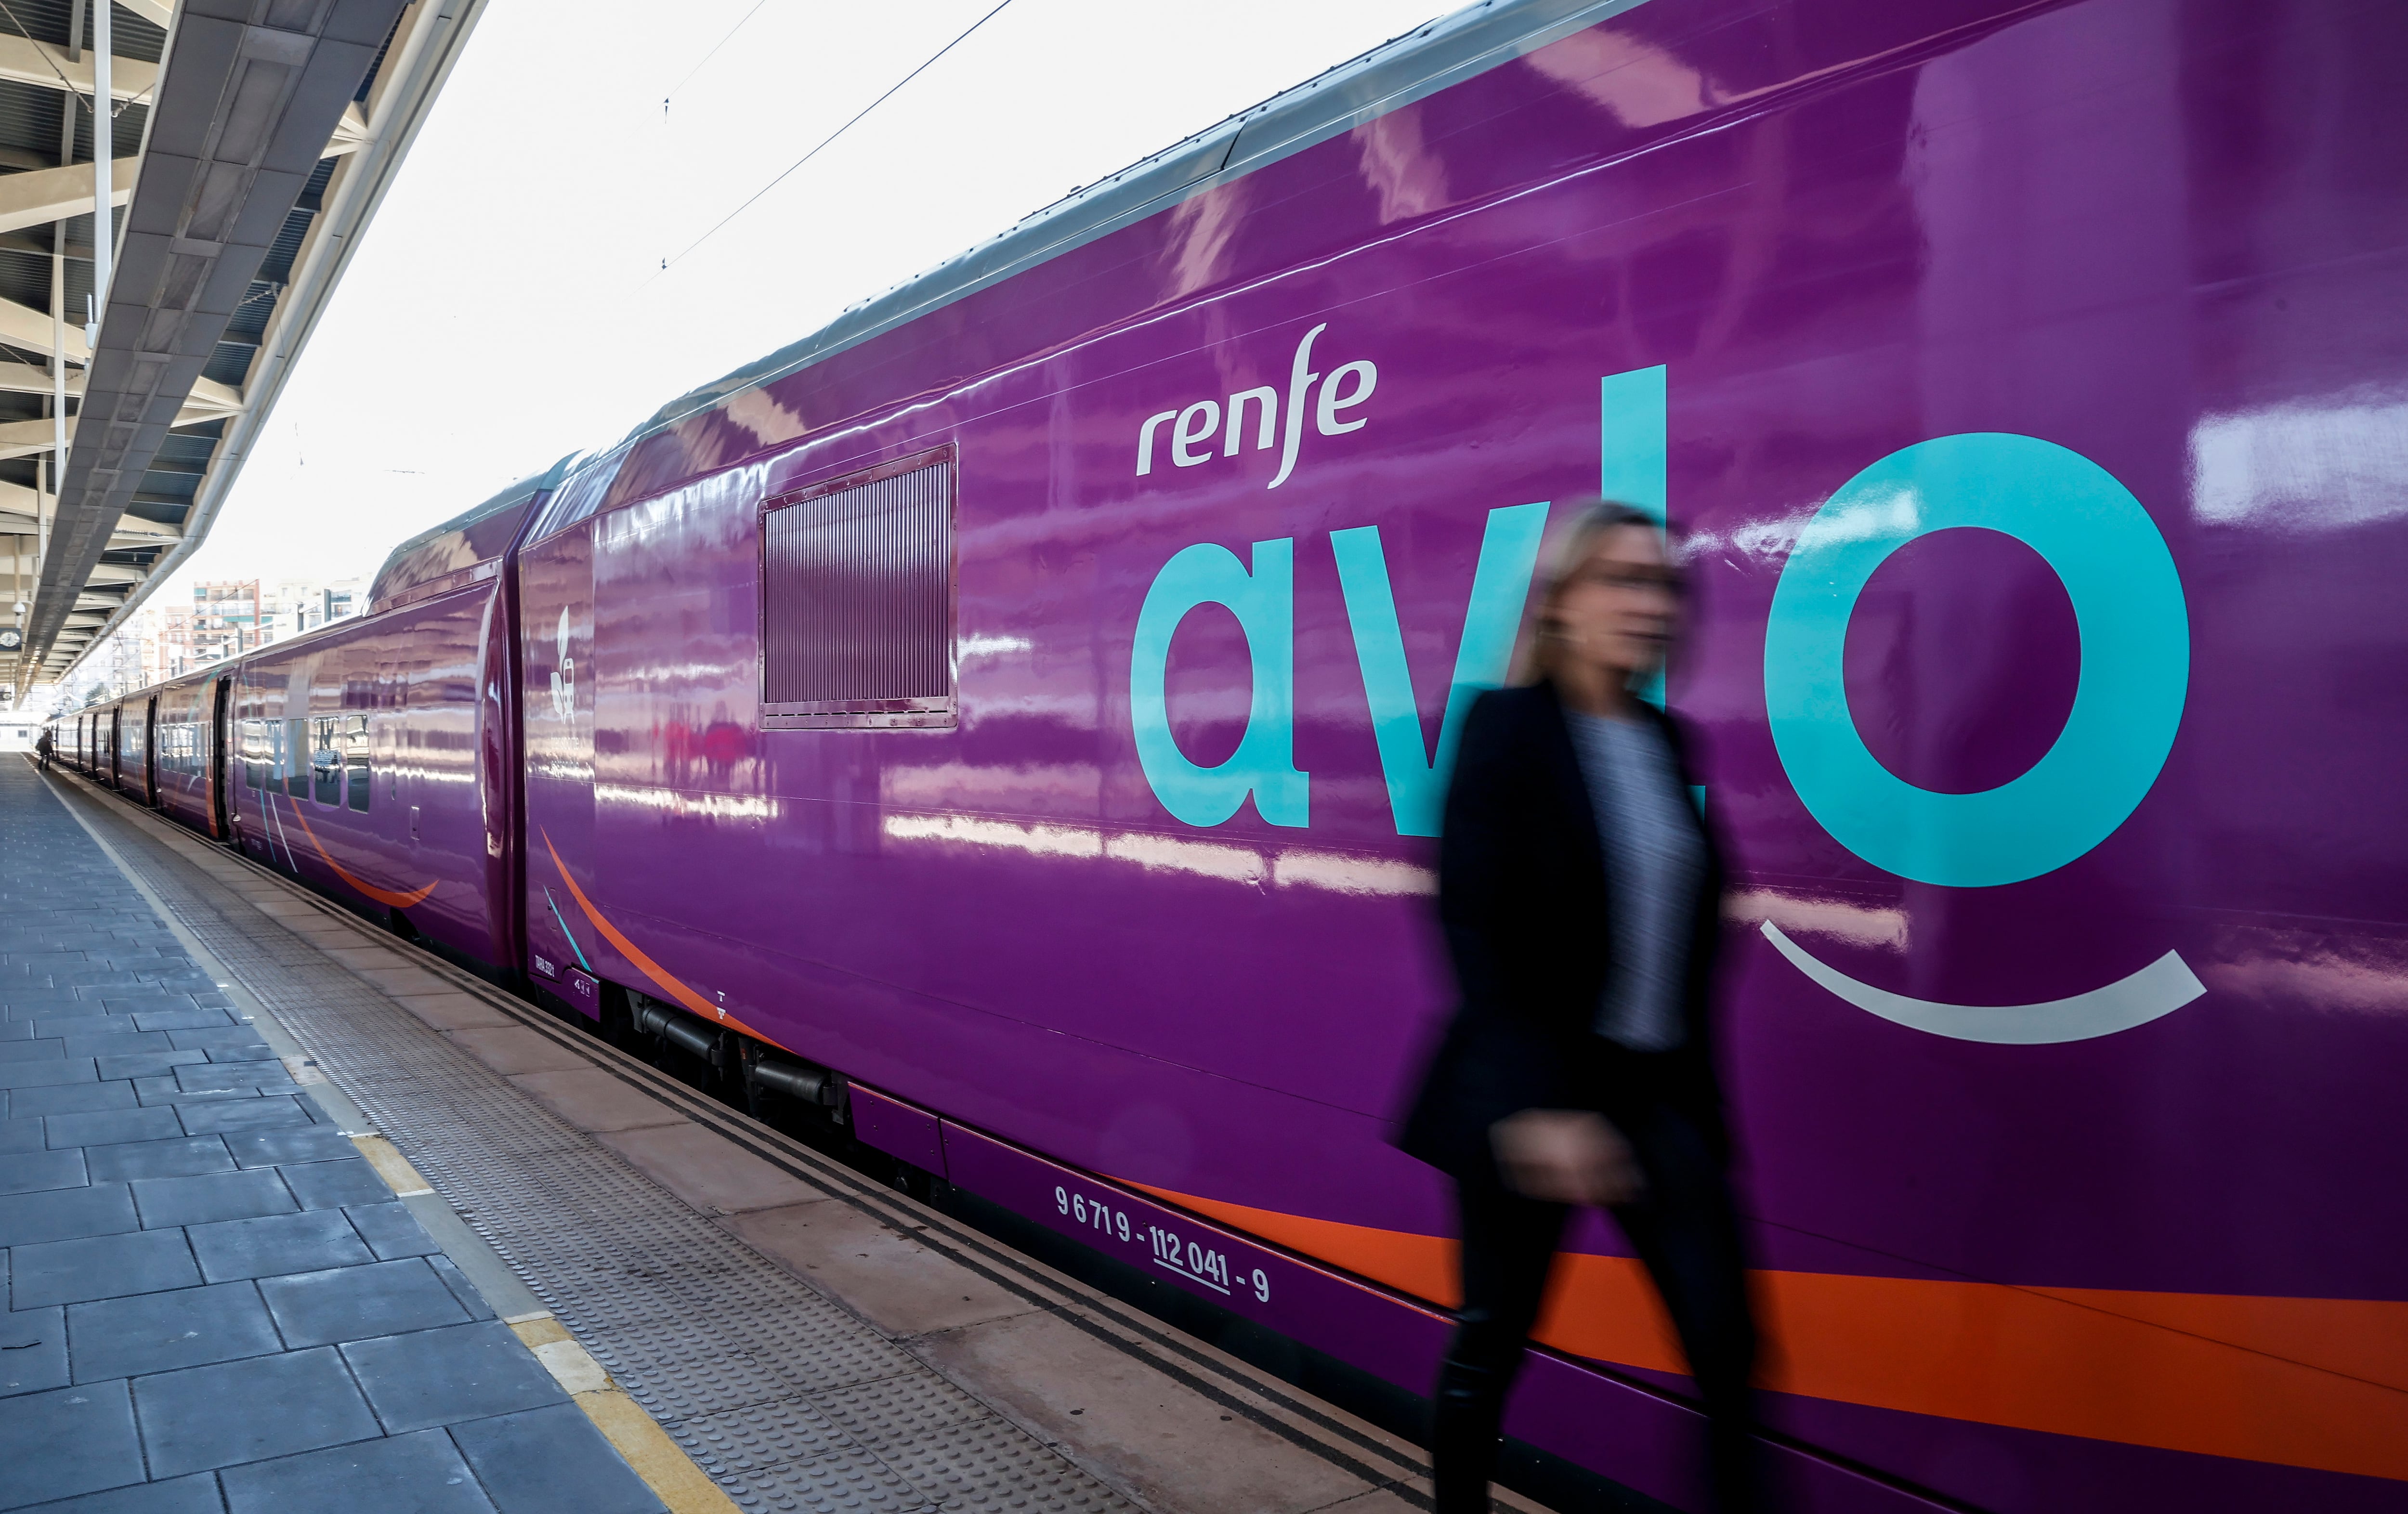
x,y
223,618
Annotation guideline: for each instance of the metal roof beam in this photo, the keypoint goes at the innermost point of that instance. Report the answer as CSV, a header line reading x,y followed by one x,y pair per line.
x,y
243,118
24,60
23,327
26,438
207,395
422,50
42,195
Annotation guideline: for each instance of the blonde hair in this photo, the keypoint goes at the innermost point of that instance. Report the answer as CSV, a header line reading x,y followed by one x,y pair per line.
x,y
1574,543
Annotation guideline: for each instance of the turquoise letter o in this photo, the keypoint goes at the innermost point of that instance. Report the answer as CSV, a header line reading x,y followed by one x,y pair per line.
x,y
2128,605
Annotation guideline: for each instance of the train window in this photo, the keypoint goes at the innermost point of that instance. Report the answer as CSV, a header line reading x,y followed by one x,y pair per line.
x,y
857,599
256,755
325,763
358,775
296,759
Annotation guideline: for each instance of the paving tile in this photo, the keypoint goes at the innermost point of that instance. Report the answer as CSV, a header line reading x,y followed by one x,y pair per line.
x,y
97,978
35,1050
255,1051
65,1442
414,1474
699,1166
284,1147
144,1064
16,1030
95,1026
32,1350
1159,1434
21,1135
71,1098
593,1099
114,1127
30,1172
360,1303
215,1195
441,1377
274,1244
206,1076
512,1050
331,1185
112,1041
176,1020
210,1118
36,1074
131,1338
450,1009
213,1038
462,1289
195,1494
887,1274
66,1213
148,1003
391,1230
164,1089
184,1157
32,1004
51,1021
401,980
250,1410
99,1266
552,1461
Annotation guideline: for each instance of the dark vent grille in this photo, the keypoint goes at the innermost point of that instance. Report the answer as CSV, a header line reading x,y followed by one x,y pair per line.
x,y
857,600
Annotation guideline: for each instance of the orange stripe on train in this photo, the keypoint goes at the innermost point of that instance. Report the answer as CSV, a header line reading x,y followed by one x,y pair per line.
x,y
2311,1382
382,897
662,977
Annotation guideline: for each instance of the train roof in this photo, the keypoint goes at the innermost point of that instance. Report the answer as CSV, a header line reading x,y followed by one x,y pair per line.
x,y
474,535
1438,54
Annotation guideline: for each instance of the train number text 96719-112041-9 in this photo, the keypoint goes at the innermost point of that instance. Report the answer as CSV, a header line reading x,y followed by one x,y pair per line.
x,y
1168,1250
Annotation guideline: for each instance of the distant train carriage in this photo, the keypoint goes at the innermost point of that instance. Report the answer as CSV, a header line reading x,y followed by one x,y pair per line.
x,y
1017,714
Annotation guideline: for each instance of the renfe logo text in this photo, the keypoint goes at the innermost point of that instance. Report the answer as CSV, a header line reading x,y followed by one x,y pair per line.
x,y
1192,430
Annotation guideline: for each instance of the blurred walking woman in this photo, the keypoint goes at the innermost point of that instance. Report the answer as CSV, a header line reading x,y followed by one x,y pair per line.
x,y
1579,890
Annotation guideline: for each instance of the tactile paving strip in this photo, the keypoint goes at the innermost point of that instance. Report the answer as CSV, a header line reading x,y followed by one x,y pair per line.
x,y
788,1402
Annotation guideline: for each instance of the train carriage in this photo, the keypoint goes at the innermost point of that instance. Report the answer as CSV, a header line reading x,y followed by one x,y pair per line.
x,y
1018,712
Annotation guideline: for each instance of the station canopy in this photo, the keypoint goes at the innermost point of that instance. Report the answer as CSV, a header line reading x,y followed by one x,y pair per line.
x,y
249,143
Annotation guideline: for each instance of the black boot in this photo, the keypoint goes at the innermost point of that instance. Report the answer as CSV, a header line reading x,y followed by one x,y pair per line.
x,y
1463,1419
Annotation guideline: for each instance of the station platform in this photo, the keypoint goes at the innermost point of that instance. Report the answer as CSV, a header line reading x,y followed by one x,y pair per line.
x,y
300,1216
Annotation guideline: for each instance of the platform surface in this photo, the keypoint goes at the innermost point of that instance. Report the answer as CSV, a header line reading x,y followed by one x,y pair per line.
x,y
802,1338
214,1301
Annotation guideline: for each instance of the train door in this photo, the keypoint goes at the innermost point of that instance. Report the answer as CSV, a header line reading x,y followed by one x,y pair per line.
x,y
116,748
150,768
219,758
555,586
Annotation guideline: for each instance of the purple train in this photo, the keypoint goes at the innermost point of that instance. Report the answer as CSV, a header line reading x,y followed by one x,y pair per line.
x,y
1018,710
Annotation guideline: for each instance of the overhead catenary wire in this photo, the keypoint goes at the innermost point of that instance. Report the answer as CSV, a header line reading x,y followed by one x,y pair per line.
x,y
667,263
712,53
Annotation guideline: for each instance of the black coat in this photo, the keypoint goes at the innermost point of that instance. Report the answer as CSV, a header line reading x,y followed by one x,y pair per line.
x,y
1525,900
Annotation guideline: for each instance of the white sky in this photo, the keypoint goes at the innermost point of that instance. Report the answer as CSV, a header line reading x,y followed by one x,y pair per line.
x,y
506,306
